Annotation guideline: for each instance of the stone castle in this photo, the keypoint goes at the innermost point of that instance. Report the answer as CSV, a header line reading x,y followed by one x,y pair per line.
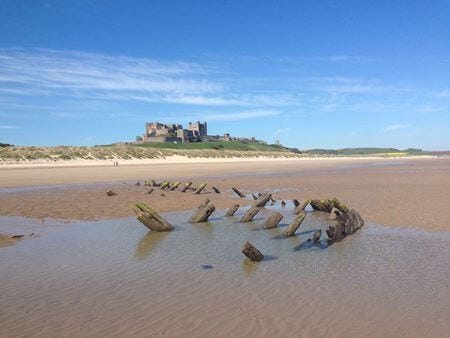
x,y
195,132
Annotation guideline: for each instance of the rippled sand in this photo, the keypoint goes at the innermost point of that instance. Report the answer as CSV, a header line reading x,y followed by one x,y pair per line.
x,y
114,278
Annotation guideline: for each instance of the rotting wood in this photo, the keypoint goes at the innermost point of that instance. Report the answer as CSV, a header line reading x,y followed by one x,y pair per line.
x,y
202,213
316,236
273,220
296,202
290,231
164,185
150,218
236,190
175,185
200,188
301,207
186,186
262,200
111,193
250,213
232,210
204,203
217,191
252,252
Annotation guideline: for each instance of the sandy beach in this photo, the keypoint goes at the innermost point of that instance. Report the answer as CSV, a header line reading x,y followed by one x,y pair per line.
x,y
404,192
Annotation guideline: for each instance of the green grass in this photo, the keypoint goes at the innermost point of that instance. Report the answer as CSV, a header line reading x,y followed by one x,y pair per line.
x,y
221,145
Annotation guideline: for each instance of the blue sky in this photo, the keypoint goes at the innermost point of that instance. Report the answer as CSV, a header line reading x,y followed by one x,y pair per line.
x,y
311,74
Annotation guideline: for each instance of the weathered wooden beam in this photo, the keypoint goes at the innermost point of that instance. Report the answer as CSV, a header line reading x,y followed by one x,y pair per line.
x,y
186,186
250,213
262,200
348,223
217,191
273,220
204,203
251,252
165,184
301,207
200,188
150,191
175,185
290,231
296,202
316,236
236,190
202,213
232,210
150,218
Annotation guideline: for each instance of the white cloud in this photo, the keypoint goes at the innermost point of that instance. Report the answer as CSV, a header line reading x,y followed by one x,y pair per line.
x,y
394,127
9,127
244,115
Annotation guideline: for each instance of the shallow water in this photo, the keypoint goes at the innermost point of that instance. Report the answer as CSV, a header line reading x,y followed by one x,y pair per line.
x,y
114,278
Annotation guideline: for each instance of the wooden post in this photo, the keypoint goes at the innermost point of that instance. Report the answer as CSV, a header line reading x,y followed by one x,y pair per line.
x,y
316,236
290,231
186,186
164,185
217,191
301,207
232,210
175,185
237,192
283,203
248,216
273,220
262,200
204,203
251,252
150,191
202,213
150,218
296,202
200,188
111,193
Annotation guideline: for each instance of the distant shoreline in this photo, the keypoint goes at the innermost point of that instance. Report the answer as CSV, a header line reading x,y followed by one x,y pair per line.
x,y
178,159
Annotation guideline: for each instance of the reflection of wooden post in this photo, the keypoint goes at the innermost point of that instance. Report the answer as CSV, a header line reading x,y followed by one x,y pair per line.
x,y
273,220
200,188
232,210
248,216
175,185
237,192
150,218
251,252
217,191
254,197
262,200
290,231
202,214
186,186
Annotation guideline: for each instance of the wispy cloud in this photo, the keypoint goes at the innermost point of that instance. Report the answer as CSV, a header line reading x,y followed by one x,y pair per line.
x,y
9,127
394,127
244,115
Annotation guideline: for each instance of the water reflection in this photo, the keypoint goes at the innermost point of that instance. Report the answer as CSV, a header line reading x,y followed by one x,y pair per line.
x,y
148,243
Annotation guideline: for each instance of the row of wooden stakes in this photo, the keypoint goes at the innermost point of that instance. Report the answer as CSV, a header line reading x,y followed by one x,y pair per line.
x,y
348,221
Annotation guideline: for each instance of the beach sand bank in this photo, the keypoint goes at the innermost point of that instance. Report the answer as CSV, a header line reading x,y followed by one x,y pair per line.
x,y
407,192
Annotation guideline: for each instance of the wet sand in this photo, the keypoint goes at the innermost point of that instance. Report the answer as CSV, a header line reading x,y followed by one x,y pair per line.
x,y
113,278
411,192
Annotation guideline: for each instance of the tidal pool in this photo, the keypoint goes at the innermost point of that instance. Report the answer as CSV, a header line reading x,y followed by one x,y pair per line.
x,y
115,278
